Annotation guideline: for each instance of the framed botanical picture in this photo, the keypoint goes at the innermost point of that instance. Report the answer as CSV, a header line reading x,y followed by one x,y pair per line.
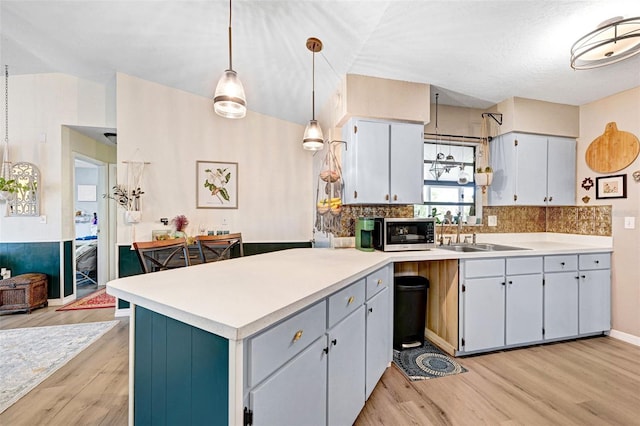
x,y
611,186
216,185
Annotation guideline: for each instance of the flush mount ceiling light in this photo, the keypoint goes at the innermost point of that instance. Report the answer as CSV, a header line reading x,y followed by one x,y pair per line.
x,y
229,100
614,40
313,139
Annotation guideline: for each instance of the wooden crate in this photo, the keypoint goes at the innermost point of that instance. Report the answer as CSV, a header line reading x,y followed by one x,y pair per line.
x,y
23,293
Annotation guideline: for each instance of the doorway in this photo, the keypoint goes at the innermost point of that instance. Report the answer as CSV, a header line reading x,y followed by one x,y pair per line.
x,y
89,213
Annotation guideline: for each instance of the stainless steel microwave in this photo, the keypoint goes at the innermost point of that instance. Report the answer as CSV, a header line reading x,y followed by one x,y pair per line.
x,y
401,234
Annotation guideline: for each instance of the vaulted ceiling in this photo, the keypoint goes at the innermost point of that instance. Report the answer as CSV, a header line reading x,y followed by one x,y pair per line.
x,y
476,53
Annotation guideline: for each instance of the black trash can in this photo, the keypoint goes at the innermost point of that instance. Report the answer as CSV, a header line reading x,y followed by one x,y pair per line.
x,y
410,307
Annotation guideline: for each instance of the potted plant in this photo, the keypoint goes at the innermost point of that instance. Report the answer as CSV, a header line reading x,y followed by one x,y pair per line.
x,y
483,176
128,200
7,188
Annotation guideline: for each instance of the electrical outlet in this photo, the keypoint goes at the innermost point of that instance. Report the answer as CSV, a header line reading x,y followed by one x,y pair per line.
x,y
43,219
629,222
492,220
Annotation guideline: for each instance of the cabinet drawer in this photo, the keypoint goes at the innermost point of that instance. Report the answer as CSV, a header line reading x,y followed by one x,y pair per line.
x,y
594,261
345,301
377,281
524,265
484,268
561,263
274,347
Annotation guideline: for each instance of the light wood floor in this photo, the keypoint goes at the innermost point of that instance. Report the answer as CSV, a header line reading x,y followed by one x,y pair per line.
x,y
584,382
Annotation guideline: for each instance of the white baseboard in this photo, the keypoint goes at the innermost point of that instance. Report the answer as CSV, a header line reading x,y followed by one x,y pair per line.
x,y
61,301
626,337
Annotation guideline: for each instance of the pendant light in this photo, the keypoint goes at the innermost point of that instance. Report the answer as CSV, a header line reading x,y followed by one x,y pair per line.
x,y
614,40
313,139
229,100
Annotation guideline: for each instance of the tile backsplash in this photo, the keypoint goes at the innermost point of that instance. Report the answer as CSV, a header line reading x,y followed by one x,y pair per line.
x,y
583,220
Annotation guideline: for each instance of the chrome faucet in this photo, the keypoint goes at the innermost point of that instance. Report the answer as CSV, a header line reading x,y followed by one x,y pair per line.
x,y
459,227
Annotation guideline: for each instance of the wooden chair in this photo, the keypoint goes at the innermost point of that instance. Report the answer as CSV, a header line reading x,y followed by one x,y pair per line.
x,y
213,248
161,255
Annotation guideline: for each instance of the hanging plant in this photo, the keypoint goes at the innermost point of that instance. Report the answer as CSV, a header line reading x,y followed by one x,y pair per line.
x,y
8,187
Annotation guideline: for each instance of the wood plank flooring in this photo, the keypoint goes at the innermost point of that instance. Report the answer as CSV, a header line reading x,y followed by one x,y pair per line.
x,y
583,382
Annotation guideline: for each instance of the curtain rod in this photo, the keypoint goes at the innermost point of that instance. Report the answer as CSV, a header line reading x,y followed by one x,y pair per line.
x,y
477,138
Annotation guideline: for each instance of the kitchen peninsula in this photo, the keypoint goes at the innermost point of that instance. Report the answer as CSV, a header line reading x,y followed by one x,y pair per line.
x,y
212,342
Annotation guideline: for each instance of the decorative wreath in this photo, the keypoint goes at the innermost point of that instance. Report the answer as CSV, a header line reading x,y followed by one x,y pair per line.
x,y
587,183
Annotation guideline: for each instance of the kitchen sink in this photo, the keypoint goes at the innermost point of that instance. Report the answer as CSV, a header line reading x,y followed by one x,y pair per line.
x,y
473,248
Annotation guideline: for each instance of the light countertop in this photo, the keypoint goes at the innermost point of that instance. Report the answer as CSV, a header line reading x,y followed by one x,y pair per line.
x,y
239,297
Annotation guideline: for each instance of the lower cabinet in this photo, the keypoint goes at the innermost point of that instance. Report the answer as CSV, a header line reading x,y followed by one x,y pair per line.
x,y
378,338
300,373
346,357
506,302
560,305
296,392
595,301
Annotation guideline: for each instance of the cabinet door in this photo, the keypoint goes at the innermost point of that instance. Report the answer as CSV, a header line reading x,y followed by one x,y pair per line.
x,y
483,307
502,155
366,162
298,390
406,163
595,301
560,305
346,369
524,309
531,170
378,338
561,171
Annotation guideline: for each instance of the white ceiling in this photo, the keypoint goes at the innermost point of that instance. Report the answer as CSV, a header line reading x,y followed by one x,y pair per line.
x,y
476,53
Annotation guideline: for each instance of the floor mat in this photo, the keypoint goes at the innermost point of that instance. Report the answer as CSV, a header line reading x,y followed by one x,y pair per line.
x,y
426,362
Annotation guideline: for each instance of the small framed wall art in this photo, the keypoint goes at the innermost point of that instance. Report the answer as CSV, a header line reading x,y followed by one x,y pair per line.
x,y
611,186
216,185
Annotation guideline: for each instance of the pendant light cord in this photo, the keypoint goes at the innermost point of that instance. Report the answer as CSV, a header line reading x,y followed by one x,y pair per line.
x,y
230,60
313,85
6,104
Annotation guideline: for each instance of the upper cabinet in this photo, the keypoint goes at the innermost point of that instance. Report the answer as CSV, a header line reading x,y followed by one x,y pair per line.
x,y
382,162
532,170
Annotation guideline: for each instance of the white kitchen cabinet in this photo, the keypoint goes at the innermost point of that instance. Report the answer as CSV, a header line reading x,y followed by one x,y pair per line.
x,y
523,316
560,296
297,391
317,366
501,302
532,170
382,162
346,377
483,307
523,321
378,338
594,293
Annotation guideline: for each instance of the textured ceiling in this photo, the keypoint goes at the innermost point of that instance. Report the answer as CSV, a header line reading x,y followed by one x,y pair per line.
x,y
476,53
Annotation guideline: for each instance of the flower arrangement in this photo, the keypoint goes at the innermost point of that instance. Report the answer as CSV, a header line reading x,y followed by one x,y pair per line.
x,y
129,200
180,222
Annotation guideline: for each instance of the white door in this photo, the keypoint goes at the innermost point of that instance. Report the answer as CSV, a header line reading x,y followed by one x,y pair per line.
x,y
378,338
595,301
346,369
502,157
531,170
561,171
483,304
407,163
560,305
297,392
524,309
367,163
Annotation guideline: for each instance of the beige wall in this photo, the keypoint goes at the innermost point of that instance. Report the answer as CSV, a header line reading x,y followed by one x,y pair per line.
x,y
39,105
533,116
624,109
173,129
